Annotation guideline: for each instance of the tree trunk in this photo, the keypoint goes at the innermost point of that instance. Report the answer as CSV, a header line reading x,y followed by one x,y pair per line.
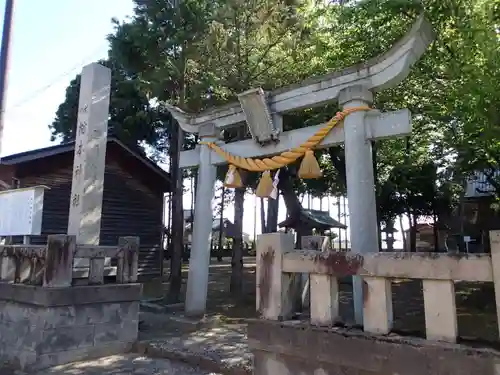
x,y
435,232
403,235
177,140
169,223
221,224
389,235
177,216
262,217
413,231
413,227
292,202
272,215
461,215
337,158
236,284
340,221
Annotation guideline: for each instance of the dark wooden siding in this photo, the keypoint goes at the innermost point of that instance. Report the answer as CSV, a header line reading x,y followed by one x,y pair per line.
x,y
130,208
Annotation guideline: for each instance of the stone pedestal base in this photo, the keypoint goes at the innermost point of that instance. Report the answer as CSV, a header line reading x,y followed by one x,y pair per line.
x,y
43,327
295,348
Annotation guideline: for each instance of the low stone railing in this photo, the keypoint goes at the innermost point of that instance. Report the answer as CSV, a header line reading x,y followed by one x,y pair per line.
x,y
51,265
285,346
277,263
48,319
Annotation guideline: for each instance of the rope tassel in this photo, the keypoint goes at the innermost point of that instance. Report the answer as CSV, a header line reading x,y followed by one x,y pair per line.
x,y
309,168
265,187
233,178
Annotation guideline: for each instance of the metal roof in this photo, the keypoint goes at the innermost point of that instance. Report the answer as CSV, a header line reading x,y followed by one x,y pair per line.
x,y
315,217
27,156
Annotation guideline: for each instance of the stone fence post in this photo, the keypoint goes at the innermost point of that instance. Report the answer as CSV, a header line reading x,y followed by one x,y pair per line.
x,y
320,243
59,261
274,293
128,263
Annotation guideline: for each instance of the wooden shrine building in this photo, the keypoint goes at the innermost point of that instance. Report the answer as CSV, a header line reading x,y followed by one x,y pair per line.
x,y
308,220
132,205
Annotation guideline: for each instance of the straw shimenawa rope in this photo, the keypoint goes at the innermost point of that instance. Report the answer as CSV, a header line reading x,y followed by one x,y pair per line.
x,y
286,157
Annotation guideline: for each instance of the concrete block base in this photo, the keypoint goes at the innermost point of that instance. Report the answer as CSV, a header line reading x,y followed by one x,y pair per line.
x,y
293,348
44,327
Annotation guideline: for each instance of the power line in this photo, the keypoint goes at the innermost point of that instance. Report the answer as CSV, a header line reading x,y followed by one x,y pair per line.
x,y
92,57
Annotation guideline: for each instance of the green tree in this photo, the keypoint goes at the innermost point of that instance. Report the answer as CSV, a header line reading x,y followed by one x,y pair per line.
x,y
159,46
451,92
473,131
201,53
246,47
132,118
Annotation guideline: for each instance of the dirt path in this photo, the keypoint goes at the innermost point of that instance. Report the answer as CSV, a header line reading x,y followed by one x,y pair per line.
x,y
475,303
129,364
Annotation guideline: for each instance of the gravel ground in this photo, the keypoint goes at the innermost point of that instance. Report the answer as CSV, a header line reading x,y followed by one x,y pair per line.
x,y
129,364
222,348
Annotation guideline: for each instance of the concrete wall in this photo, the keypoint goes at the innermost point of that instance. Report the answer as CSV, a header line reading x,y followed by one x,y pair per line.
x,y
295,348
43,327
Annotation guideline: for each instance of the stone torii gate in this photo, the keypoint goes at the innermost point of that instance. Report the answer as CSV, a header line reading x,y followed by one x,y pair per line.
x,y
352,87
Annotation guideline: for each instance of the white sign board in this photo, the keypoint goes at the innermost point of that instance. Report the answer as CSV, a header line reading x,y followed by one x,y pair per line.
x,y
21,211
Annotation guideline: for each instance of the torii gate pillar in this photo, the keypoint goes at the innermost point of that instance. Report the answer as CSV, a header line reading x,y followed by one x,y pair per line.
x,y
360,184
196,293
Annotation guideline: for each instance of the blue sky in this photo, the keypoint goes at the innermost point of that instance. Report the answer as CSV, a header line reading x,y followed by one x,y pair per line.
x,y
51,41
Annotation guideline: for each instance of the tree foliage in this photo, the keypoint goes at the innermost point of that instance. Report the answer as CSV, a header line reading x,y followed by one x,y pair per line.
x,y
132,118
197,54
